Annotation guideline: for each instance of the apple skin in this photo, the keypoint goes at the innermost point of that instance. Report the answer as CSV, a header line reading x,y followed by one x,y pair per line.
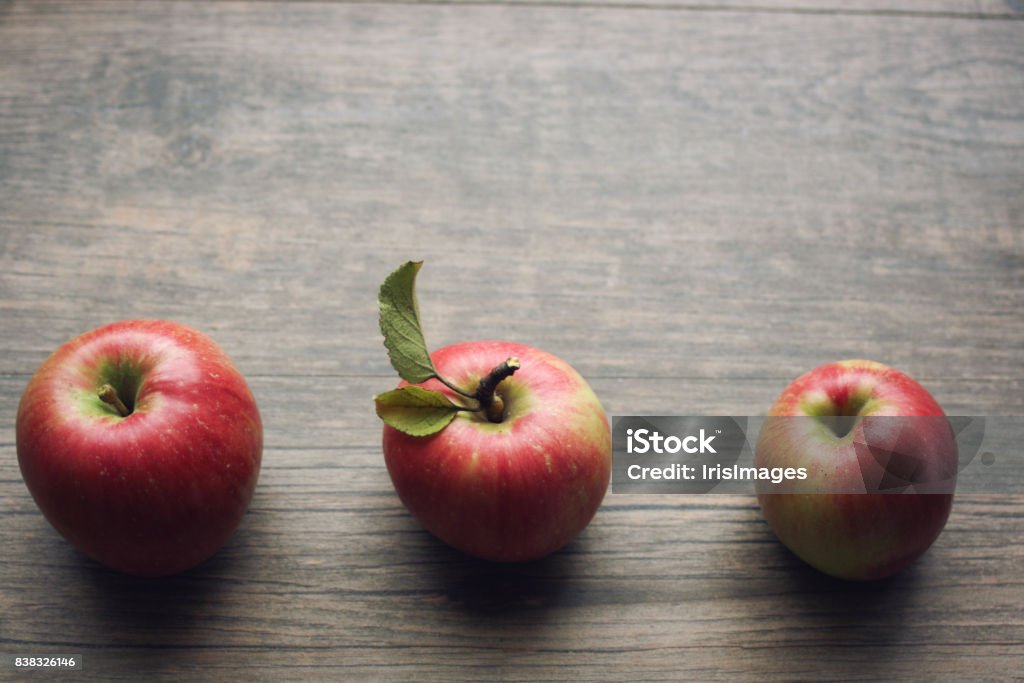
x,y
161,490
851,535
511,491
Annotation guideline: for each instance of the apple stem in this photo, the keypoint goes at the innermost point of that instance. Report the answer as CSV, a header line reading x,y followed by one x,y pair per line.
x,y
108,394
491,404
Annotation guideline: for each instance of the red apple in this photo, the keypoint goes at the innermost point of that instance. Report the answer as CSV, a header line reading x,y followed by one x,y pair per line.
x,y
516,489
858,535
155,476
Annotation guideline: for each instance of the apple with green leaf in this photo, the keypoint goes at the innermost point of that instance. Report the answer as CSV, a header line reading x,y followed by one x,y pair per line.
x,y
881,459
141,443
499,449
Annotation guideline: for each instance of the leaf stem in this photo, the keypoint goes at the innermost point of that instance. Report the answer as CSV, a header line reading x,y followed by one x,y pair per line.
x,y
454,388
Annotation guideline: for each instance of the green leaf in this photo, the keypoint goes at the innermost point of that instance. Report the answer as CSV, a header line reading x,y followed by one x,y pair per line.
x,y
415,410
400,324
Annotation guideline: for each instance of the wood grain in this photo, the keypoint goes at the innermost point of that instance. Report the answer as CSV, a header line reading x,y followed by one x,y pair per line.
x,y
934,9
692,204
702,174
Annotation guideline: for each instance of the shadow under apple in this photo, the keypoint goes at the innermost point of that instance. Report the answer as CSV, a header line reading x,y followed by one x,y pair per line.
x,y
480,587
158,611
839,625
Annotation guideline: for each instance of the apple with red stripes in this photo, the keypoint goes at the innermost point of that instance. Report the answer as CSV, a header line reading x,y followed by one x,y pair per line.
x,y
141,444
499,449
881,458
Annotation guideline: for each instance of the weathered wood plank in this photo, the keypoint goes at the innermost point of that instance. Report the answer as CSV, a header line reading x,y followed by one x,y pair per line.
x,y
944,9
687,587
719,199
934,9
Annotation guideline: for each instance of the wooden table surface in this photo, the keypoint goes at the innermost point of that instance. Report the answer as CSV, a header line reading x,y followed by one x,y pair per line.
x,y
691,202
